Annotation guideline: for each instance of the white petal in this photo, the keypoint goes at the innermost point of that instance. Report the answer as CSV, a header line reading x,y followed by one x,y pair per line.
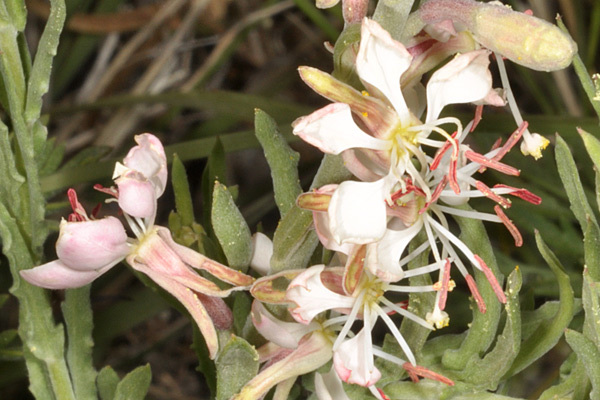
x,y
465,79
262,250
333,130
380,62
350,362
312,297
383,256
357,211
284,334
321,221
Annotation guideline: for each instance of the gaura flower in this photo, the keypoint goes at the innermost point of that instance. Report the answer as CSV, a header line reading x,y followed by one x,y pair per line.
x,y
376,131
320,289
87,247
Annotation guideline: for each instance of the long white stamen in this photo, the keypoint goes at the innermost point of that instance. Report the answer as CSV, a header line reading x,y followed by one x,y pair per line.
x,y
135,228
408,289
422,270
351,318
456,241
406,313
470,214
382,354
396,333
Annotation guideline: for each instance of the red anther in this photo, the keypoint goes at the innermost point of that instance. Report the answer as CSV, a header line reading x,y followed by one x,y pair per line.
x,y
483,188
521,193
436,194
414,371
445,283
491,163
512,140
496,145
438,156
491,279
510,226
452,176
477,118
79,213
475,292
529,11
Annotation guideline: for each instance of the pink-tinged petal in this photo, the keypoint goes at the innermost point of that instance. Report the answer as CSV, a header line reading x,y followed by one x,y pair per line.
x,y
357,211
312,352
136,195
332,130
192,302
351,363
199,261
329,387
92,245
361,167
148,158
284,334
56,275
465,79
313,297
262,250
380,62
383,256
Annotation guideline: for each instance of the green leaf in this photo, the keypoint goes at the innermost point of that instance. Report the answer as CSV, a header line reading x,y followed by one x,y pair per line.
x,y
242,304
392,15
237,364
589,355
482,331
591,305
135,384
231,229
549,331
205,365
489,370
591,246
181,189
107,382
77,312
572,183
283,161
215,170
592,145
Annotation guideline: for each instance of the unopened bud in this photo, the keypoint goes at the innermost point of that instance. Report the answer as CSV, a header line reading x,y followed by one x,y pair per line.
x,y
522,38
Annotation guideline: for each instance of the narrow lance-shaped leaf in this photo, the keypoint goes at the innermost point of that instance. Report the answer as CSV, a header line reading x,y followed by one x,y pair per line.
x,y
589,355
572,183
181,189
489,370
231,229
215,170
77,312
591,305
237,364
283,161
135,385
591,245
549,331
107,383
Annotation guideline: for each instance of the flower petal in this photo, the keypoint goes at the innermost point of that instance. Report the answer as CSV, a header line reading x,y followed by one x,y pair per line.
x,y
329,386
56,275
464,79
148,158
350,363
383,256
312,296
284,334
262,251
92,245
137,196
333,130
380,62
357,211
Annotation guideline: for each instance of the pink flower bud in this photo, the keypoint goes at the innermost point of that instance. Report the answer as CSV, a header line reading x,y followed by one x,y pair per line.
x,y
137,196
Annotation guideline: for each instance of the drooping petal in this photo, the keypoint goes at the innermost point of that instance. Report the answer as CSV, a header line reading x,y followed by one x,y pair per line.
x,y
148,158
56,275
333,130
350,363
137,195
380,62
321,221
312,296
92,245
284,334
465,79
357,211
383,256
